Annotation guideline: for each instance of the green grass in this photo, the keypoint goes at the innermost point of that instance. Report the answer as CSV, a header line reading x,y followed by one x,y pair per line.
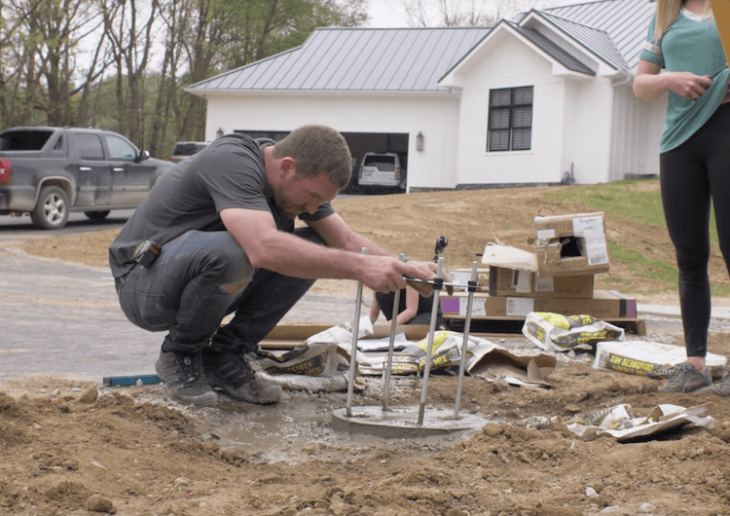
x,y
623,201
659,272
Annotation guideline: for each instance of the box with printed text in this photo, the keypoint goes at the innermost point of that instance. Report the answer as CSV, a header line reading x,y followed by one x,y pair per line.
x,y
605,304
571,245
521,283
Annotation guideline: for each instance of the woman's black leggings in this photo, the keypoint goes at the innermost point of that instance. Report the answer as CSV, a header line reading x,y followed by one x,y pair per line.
x,y
691,175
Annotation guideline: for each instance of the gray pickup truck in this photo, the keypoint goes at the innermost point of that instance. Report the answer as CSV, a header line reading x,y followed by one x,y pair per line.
x,y
49,172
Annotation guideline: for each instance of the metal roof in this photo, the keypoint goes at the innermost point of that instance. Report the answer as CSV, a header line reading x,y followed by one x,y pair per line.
x,y
414,60
553,50
345,59
596,40
615,30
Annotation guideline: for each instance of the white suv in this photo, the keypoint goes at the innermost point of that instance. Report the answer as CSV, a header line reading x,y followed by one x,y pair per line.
x,y
381,171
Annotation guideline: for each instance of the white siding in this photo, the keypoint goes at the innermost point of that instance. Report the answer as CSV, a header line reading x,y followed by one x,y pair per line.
x,y
636,132
592,125
507,63
587,130
433,115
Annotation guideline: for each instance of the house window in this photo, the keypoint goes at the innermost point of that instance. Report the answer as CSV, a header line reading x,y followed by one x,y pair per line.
x,y
510,119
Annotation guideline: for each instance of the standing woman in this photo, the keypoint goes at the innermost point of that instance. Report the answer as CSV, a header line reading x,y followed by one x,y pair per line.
x,y
694,160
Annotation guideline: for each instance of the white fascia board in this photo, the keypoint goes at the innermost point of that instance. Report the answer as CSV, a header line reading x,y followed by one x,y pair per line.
x,y
589,57
606,70
561,71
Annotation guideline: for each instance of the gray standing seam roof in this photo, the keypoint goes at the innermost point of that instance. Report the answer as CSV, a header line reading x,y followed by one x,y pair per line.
x,y
625,22
553,50
597,40
415,60
344,59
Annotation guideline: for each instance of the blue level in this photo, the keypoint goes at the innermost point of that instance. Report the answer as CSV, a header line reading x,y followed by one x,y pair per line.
x,y
118,381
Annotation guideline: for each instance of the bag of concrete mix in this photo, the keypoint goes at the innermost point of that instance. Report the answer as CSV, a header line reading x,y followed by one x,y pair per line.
x,y
318,364
556,332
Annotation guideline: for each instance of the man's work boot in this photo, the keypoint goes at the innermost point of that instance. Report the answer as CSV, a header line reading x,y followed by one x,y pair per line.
x,y
184,377
230,373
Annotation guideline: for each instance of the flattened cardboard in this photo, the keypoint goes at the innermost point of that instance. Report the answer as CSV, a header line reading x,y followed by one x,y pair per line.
x,y
520,283
510,257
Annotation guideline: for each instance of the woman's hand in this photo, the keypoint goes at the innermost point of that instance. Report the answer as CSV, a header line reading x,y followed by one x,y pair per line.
x,y
649,84
687,84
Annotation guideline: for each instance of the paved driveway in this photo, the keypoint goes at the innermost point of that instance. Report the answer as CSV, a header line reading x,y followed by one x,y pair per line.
x,y
63,318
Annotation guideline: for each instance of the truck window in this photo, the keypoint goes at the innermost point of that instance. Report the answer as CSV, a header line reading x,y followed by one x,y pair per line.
x,y
29,140
120,149
89,146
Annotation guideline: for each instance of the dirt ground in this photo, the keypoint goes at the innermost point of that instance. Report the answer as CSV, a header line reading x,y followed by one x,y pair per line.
x,y
70,448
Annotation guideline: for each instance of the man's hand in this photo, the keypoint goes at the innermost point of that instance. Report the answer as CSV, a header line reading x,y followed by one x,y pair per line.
x,y
386,274
424,289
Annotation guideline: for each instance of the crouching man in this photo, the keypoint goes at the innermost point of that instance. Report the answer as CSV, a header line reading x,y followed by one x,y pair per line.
x,y
216,236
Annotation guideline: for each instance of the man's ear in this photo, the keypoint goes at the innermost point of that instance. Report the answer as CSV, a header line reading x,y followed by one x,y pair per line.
x,y
288,167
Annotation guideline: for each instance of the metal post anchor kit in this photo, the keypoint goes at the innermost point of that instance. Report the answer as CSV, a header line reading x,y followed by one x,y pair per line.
x,y
431,333
399,422
391,345
353,351
472,287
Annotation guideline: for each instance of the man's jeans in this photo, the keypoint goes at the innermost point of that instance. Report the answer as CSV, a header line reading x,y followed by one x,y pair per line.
x,y
198,279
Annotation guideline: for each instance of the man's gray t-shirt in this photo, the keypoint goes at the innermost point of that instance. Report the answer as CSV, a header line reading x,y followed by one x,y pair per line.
x,y
228,173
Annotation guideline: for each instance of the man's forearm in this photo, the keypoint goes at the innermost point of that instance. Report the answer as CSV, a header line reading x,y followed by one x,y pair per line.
x,y
293,256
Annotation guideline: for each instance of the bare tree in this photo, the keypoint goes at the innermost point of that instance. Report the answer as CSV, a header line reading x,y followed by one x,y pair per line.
x,y
447,13
465,13
40,46
130,34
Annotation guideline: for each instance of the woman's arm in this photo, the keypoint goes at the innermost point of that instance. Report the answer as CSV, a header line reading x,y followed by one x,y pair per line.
x,y
411,307
649,84
374,309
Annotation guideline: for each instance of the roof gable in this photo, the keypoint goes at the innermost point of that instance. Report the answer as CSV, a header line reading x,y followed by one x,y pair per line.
x,y
532,38
594,40
624,22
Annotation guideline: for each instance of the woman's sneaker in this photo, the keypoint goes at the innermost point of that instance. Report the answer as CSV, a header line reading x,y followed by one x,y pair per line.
x,y
721,388
183,375
230,373
687,378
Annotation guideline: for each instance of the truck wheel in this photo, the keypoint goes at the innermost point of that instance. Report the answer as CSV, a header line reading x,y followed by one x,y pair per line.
x,y
51,212
96,215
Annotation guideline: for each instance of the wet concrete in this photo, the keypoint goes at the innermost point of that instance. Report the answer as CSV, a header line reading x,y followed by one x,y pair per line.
x,y
402,422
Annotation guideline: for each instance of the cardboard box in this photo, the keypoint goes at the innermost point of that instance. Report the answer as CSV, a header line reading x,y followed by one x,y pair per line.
x,y
570,245
463,276
521,283
605,304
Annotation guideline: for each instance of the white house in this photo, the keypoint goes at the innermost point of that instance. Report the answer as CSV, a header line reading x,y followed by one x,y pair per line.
x,y
524,102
